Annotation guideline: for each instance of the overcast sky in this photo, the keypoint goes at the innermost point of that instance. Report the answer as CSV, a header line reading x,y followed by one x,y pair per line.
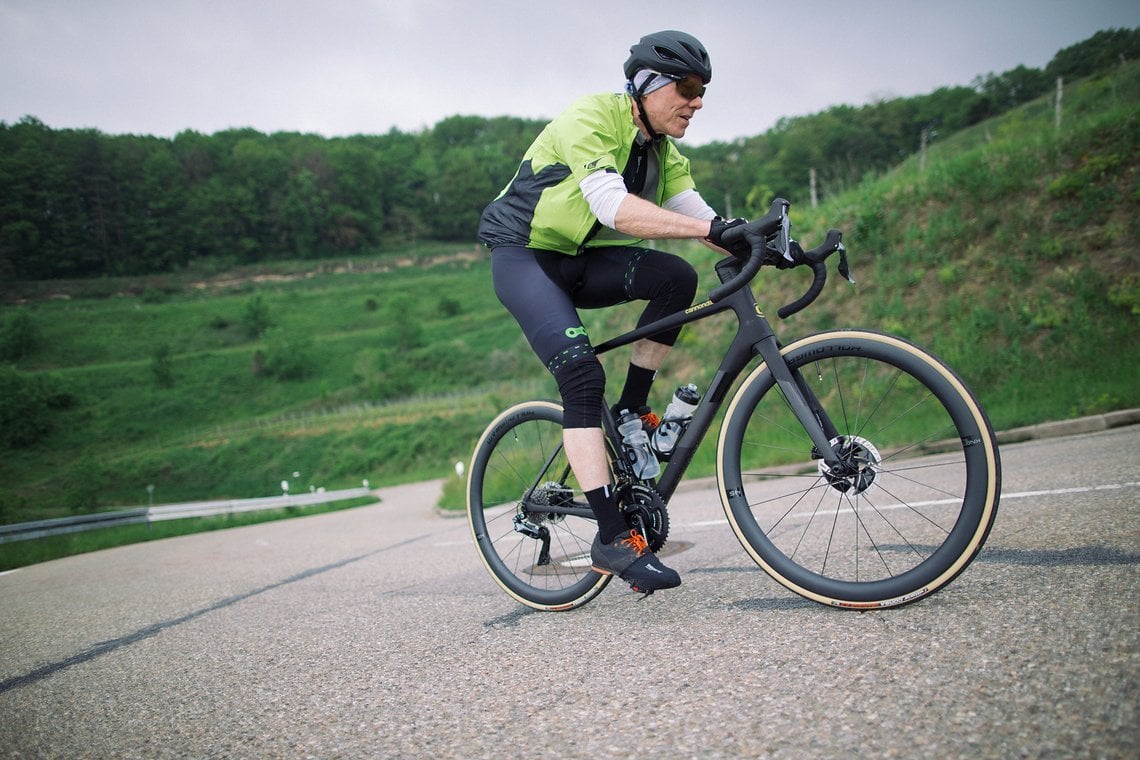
x,y
341,67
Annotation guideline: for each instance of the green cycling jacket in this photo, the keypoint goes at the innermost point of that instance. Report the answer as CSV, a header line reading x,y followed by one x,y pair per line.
x,y
543,207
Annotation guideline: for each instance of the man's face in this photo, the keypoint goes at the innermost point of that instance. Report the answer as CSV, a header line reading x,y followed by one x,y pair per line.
x,y
669,111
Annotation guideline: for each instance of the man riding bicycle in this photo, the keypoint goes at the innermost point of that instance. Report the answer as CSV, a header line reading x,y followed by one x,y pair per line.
x,y
567,233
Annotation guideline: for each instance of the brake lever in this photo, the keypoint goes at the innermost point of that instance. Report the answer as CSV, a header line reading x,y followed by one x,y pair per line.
x,y
833,244
844,267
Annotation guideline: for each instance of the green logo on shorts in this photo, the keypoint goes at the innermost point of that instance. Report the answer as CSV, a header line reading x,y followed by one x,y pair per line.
x,y
576,332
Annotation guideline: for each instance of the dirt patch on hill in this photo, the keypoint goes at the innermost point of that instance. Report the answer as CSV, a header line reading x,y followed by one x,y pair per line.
x,y
158,285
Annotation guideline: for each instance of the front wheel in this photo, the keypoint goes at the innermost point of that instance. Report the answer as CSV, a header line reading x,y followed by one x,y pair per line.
x,y
915,495
531,524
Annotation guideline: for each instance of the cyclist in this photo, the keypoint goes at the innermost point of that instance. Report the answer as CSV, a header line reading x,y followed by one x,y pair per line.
x,y
567,233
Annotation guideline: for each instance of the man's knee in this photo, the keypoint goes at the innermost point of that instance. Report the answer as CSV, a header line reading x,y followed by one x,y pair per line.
x,y
683,278
690,280
669,279
582,384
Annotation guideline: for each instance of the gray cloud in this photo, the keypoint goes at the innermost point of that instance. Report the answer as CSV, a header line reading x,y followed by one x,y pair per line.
x,y
339,67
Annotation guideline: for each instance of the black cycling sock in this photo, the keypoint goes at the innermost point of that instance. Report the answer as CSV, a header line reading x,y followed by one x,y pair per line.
x,y
635,394
610,522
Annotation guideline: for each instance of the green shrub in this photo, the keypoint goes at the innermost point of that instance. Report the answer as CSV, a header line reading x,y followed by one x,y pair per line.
x,y
449,307
1125,293
162,367
288,355
256,317
404,328
26,405
19,337
153,295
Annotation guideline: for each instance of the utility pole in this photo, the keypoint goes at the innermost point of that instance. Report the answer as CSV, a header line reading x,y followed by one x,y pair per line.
x,y
1057,112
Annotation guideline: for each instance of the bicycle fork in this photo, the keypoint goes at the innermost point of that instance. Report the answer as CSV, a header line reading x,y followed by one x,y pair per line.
x,y
805,406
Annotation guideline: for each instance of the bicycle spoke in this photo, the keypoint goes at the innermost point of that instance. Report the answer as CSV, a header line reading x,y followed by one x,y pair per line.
x,y
869,518
519,489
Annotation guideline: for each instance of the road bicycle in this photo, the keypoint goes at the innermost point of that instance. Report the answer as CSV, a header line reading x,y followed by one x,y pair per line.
x,y
854,467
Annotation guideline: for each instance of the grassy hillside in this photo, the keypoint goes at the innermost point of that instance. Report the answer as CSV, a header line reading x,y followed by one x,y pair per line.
x,y
1011,250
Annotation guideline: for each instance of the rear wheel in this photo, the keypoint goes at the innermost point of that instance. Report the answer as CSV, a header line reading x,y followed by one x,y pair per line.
x,y
912,499
532,526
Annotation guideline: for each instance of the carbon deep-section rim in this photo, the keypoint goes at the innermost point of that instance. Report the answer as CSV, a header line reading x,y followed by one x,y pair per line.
x,y
920,498
540,558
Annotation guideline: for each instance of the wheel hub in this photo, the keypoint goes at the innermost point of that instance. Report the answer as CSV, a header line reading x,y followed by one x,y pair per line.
x,y
859,464
550,494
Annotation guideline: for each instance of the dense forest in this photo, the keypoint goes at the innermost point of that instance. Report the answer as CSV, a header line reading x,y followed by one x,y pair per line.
x,y
80,203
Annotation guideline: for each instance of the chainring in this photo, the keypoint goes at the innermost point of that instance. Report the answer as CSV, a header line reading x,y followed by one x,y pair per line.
x,y
645,510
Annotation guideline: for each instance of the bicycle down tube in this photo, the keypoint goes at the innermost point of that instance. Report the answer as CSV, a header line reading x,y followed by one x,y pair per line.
x,y
754,336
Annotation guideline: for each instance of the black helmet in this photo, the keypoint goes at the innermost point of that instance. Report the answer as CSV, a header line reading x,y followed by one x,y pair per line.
x,y
670,52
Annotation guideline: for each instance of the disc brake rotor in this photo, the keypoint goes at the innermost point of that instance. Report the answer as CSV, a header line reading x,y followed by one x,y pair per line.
x,y
862,461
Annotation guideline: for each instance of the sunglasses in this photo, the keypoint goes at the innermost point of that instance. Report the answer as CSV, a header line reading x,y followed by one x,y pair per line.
x,y
689,88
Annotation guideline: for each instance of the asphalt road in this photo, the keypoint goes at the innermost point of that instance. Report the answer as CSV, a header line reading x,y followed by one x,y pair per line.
x,y
376,633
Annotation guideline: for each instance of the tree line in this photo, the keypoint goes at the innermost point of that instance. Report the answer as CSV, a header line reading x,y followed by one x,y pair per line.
x,y
80,203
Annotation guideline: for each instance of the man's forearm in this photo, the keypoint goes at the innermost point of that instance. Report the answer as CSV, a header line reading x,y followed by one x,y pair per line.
x,y
640,218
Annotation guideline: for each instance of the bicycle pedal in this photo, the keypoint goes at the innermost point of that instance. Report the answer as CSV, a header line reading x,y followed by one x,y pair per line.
x,y
633,587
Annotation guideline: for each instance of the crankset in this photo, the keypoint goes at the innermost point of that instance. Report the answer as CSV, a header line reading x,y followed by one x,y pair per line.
x,y
645,510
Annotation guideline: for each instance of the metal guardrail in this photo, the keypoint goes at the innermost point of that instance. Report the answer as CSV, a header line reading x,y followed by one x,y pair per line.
x,y
62,525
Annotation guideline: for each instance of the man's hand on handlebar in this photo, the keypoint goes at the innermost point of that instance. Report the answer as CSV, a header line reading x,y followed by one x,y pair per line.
x,y
739,242
739,248
769,243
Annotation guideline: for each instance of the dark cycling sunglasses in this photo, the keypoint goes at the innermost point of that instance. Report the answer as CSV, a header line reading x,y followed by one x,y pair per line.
x,y
689,87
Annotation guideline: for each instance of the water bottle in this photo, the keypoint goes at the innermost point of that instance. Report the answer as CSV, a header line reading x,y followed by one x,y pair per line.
x,y
635,444
675,420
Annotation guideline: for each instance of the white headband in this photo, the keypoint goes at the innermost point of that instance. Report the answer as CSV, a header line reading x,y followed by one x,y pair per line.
x,y
646,75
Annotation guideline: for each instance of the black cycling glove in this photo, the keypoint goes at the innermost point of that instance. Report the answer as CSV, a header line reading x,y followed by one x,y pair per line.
x,y
740,249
